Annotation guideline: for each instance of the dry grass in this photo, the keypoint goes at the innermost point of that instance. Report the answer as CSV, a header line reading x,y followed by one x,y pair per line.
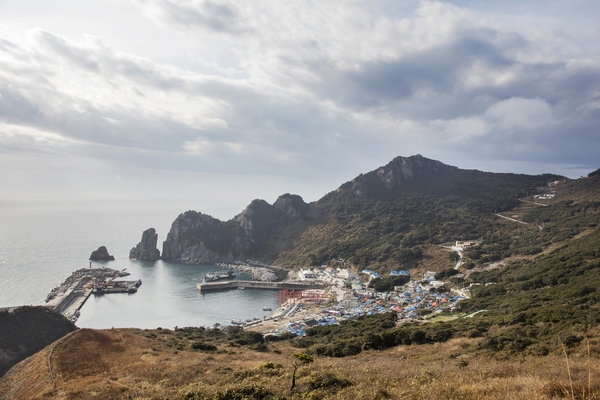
x,y
434,258
126,364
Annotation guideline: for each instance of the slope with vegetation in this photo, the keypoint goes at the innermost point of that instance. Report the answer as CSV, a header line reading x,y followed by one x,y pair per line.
x,y
195,363
380,219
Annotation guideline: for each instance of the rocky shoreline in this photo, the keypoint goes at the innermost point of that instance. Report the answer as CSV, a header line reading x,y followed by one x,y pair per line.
x,y
259,273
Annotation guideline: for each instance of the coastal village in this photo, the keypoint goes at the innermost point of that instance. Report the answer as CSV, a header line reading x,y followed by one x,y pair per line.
x,y
347,295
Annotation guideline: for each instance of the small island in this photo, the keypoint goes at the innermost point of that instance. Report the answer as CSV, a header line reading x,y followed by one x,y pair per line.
x,y
101,255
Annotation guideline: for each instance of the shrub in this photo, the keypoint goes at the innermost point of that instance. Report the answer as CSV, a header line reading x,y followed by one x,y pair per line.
x,y
198,345
327,380
252,391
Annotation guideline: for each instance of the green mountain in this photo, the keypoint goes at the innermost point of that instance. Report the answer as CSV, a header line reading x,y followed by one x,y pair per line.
x,y
532,278
544,293
379,219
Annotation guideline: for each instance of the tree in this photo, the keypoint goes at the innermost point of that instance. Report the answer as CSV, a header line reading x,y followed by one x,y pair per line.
x,y
454,256
299,360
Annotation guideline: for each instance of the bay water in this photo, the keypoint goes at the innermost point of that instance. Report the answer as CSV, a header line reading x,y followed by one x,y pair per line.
x,y
41,244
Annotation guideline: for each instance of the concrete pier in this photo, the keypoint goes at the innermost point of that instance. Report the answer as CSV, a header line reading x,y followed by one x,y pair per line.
x,y
214,286
73,299
68,298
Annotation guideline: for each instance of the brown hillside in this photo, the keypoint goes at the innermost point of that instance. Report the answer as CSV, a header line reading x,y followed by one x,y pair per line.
x,y
160,364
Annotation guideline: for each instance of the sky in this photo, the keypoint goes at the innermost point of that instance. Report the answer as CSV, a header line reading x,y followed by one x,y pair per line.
x,y
209,104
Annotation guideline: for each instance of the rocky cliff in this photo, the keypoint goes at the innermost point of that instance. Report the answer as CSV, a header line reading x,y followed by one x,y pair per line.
x,y
380,217
146,249
198,238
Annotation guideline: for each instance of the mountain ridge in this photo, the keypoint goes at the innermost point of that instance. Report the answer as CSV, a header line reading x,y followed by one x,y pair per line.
x,y
275,233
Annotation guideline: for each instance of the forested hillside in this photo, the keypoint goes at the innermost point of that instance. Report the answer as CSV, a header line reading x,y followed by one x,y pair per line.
x,y
380,219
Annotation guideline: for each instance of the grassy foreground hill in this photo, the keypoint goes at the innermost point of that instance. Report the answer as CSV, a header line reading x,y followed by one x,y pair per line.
x,y
203,364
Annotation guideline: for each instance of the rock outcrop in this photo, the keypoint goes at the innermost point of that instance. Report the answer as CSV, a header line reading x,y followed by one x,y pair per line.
x,y
197,238
101,255
146,250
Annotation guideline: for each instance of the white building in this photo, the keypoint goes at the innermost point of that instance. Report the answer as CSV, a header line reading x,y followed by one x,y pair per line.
x,y
306,274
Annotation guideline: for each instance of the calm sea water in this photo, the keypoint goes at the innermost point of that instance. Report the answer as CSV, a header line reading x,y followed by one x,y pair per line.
x,y
41,245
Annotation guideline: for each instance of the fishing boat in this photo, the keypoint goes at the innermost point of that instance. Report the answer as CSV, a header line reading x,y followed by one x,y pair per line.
x,y
215,276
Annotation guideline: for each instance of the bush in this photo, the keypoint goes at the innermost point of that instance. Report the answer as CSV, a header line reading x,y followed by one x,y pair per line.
x,y
245,392
327,380
198,345
270,365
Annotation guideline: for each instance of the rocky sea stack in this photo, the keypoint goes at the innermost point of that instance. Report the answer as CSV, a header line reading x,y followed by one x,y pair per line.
x,y
146,249
101,255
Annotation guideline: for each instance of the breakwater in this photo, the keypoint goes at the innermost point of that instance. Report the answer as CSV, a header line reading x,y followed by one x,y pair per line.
x,y
68,298
259,273
216,286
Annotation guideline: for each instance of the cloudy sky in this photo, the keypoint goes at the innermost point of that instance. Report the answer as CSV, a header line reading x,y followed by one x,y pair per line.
x,y
213,103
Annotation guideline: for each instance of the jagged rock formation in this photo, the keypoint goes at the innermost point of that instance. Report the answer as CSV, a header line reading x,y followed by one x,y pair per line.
x,y
101,255
198,238
26,330
380,216
146,250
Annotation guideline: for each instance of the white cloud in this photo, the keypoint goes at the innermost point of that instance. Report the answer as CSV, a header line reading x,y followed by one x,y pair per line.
x,y
299,88
519,114
462,128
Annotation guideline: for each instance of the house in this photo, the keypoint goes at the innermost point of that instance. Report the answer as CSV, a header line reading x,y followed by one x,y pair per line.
x,y
373,274
306,274
347,274
463,245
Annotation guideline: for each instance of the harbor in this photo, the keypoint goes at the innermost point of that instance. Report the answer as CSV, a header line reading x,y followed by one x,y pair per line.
x,y
204,287
69,297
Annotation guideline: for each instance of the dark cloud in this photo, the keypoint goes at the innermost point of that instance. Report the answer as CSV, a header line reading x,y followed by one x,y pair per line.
x,y
301,101
440,69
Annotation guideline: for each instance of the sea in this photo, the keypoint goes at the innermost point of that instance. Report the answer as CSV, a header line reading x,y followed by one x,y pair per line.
x,y
41,244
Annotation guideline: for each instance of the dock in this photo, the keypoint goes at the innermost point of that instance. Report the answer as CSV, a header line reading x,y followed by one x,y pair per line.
x,y
69,297
229,285
70,302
